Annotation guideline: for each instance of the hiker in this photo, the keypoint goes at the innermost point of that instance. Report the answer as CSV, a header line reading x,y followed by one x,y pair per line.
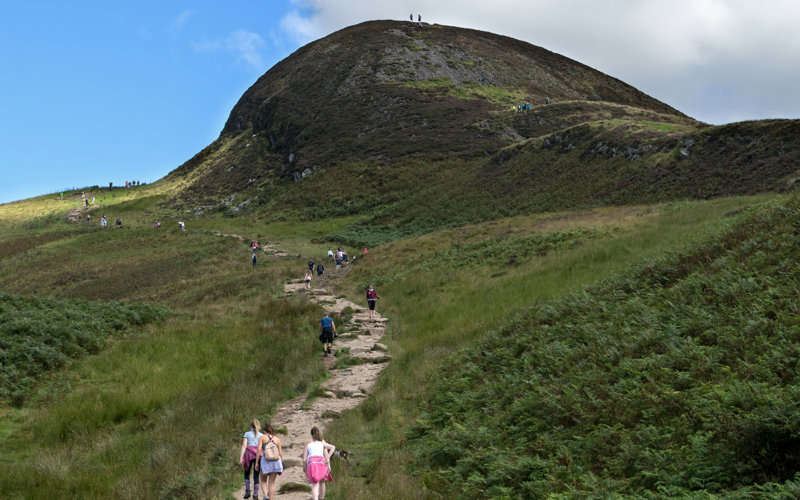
x,y
248,457
252,244
61,196
88,217
338,261
85,202
137,182
119,222
411,17
103,221
419,19
270,461
320,269
255,260
316,463
327,329
80,217
330,253
92,200
311,264
371,296
110,185
480,61
309,276
547,100
365,249
255,246
156,225
344,256
182,225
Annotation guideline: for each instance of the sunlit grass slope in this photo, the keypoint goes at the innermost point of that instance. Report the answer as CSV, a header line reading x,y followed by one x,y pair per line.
x,y
438,311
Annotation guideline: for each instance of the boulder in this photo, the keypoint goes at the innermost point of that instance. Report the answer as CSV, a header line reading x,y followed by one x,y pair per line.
x,y
379,347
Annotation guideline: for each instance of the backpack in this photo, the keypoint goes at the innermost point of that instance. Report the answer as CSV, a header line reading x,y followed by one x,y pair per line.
x,y
271,451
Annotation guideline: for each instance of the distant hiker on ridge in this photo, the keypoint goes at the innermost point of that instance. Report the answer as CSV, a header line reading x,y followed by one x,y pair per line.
x,y
411,17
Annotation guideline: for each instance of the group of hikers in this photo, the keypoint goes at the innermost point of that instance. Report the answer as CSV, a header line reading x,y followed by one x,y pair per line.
x,y
526,107
419,19
128,183
262,454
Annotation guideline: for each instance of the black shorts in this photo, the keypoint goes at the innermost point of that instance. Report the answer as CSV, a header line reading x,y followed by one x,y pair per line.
x,y
371,303
326,337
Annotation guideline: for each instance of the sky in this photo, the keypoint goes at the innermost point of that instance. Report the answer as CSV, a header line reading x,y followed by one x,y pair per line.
x,y
96,92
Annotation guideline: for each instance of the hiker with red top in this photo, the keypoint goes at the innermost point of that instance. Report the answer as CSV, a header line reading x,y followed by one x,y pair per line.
x,y
316,463
371,297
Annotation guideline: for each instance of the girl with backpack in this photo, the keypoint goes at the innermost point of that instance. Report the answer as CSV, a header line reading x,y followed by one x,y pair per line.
x,y
316,463
270,459
248,457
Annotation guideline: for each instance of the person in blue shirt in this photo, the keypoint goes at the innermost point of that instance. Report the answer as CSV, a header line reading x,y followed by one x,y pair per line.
x,y
327,329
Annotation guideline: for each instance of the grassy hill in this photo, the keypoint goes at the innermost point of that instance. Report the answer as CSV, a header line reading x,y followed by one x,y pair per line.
x,y
485,225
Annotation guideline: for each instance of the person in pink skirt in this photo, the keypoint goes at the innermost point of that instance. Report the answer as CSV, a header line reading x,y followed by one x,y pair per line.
x,y
316,463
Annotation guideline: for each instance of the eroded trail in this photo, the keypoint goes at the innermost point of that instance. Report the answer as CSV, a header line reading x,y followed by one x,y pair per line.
x,y
346,388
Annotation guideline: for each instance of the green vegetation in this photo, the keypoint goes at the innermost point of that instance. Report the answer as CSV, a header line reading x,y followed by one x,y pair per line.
x,y
161,415
678,375
663,127
434,314
38,335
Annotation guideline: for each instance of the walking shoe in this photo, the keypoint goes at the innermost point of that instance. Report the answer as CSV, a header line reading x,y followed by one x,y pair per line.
x,y
246,494
324,354
329,350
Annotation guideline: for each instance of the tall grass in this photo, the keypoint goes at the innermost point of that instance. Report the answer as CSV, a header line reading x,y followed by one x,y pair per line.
x,y
161,416
435,314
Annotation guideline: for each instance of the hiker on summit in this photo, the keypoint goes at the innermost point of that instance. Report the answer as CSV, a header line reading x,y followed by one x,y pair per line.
x,y
371,297
316,463
419,19
327,329
411,17
248,457
270,462
309,276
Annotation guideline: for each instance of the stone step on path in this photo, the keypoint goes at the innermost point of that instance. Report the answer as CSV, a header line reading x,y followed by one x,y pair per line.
x,y
346,387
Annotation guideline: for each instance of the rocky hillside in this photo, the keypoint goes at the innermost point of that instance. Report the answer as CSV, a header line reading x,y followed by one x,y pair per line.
x,y
419,126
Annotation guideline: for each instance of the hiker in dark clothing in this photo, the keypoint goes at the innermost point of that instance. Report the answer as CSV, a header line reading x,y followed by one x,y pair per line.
x,y
311,265
338,261
255,260
320,269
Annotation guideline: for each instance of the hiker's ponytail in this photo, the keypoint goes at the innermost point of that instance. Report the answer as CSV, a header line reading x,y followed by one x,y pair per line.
x,y
315,434
256,426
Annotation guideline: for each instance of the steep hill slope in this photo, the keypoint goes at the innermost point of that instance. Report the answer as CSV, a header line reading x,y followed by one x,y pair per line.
x,y
416,129
676,377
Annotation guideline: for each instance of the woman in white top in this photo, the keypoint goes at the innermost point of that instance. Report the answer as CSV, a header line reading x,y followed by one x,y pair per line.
x,y
316,463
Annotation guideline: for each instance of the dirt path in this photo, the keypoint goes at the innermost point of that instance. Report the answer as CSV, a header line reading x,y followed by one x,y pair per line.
x,y
346,388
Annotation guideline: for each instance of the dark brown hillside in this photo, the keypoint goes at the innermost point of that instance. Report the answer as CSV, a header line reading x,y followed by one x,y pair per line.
x,y
379,90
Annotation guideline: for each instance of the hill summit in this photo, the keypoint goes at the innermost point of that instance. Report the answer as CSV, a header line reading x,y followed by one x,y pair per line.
x,y
419,128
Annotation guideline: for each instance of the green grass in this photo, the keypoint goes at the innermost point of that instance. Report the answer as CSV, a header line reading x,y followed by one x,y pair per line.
x,y
435,314
663,127
40,335
161,415
675,377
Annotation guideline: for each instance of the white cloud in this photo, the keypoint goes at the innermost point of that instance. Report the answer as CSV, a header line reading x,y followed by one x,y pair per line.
x,y
179,21
248,45
245,44
717,60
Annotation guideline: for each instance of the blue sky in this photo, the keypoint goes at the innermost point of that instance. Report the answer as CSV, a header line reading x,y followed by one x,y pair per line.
x,y
98,92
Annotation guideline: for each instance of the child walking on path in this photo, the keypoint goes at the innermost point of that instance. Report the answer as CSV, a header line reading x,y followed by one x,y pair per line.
x,y
248,457
309,276
270,461
316,463
372,295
